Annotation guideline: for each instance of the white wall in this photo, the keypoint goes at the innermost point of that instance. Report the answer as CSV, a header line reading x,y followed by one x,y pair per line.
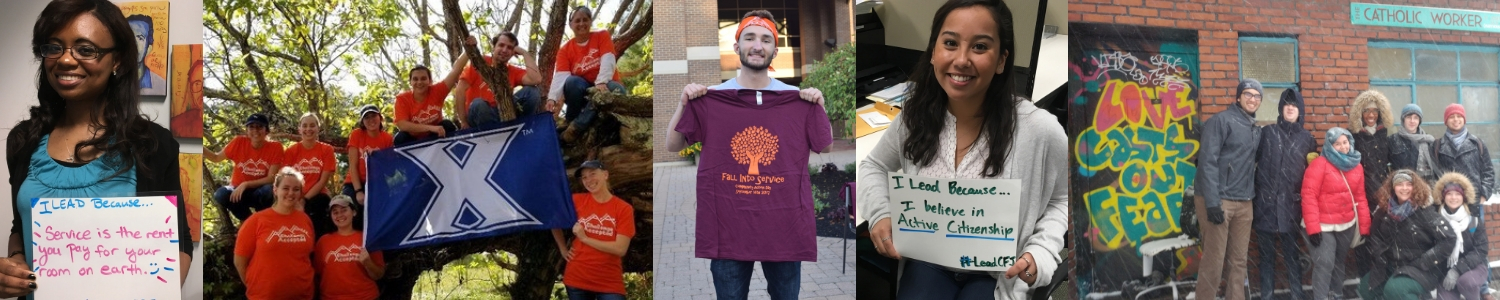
x,y
16,20
908,22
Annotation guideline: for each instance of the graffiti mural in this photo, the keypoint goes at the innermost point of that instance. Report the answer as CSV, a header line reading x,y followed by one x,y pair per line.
x,y
1132,121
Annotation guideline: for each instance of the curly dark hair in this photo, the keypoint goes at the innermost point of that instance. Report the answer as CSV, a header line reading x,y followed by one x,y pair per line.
x,y
926,110
126,133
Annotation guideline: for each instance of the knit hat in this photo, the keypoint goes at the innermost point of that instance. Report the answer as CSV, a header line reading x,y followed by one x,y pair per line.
x,y
1453,187
1454,109
1247,83
1411,109
1401,177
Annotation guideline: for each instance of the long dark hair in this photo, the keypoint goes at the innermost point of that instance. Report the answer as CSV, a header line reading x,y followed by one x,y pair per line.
x,y
928,106
126,137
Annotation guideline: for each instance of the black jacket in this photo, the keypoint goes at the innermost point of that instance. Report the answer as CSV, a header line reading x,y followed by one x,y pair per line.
x,y
1417,247
162,179
1472,160
1281,160
1375,153
1476,244
1226,165
1405,153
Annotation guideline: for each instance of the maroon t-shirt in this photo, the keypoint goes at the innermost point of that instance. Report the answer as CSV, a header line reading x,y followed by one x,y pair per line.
x,y
754,196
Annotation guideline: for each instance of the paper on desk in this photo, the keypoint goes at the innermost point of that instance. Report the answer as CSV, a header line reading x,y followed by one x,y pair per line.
x,y
893,92
875,119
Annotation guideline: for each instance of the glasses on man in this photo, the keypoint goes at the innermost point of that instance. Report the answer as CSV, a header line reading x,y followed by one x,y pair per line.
x,y
1251,96
80,52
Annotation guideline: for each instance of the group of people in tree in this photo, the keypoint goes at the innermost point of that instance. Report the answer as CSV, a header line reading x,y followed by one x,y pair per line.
x,y
1402,201
299,239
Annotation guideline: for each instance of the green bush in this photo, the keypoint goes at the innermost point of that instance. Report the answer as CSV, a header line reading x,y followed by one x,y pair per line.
x,y
834,76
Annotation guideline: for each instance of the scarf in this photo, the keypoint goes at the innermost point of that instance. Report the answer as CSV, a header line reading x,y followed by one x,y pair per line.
x,y
1400,210
1343,161
1458,139
1459,220
1423,141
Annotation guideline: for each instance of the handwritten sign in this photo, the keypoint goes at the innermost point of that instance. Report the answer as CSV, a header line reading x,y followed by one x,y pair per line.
x,y
961,223
105,248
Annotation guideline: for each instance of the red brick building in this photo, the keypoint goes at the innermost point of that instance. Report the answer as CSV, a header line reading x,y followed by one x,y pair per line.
x,y
1178,62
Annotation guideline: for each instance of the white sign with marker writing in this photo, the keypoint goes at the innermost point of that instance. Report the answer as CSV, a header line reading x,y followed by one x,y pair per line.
x,y
961,223
105,248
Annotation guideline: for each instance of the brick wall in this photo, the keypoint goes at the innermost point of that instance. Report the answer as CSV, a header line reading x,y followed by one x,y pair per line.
x,y
1331,51
679,25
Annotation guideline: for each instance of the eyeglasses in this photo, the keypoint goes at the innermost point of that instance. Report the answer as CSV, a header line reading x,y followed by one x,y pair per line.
x,y
80,52
1252,96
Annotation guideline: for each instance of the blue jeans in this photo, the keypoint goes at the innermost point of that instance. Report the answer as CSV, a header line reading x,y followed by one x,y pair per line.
x,y
732,278
1267,262
403,138
259,198
580,294
482,113
580,110
923,280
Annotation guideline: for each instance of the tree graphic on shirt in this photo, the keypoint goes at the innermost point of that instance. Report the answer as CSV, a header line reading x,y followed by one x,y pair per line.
x,y
755,147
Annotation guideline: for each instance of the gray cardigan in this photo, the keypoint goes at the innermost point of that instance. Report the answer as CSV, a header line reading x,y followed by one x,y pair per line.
x,y
1039,158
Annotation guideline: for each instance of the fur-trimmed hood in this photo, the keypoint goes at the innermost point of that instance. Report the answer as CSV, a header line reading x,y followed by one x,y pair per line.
x,y
1367,98
1461,180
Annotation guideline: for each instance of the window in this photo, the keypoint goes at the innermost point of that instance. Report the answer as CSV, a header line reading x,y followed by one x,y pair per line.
x,y
1272,61
1435,75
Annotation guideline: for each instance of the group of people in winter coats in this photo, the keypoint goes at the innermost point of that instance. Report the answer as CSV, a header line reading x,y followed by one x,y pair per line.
x,y
1405,203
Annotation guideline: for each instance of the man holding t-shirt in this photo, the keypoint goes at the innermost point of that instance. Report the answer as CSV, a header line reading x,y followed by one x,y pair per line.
x,y
753,183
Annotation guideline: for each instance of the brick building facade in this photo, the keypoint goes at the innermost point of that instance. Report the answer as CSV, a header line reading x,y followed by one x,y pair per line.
x,y
688,48
1181,61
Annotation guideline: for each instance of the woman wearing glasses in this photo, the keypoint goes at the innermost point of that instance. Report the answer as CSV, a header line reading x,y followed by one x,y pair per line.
x,y
86,137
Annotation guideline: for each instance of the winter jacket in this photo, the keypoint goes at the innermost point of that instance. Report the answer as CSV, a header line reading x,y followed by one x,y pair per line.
x,y
1281,160
1476,247
1376,148
1406,152
1417,247
1226,164
1471,159
1327,200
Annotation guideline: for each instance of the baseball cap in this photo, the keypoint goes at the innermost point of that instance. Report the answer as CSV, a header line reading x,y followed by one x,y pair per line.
x,y
368,109
591,164
257,118
340,200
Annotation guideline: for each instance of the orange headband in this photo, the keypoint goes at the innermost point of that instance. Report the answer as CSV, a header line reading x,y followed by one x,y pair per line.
x,y
756,21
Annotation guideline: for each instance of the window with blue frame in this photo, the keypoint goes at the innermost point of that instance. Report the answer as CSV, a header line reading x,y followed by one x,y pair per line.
x,y
1272,61
1436,75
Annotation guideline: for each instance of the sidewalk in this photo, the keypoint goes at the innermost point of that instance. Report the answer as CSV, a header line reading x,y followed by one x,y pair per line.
x,y
681,276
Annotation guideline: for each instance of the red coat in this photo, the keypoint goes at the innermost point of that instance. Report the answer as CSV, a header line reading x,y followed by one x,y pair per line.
x,y
1325,198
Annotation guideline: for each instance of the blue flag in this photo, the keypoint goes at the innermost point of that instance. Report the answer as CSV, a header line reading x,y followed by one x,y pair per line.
x,y
471,184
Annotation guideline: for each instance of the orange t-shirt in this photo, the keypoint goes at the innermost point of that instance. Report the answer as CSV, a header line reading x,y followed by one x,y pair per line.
x,y
591,269
428,112
343,275
583,60
251,163
311,163
480,89
363,143
280,249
